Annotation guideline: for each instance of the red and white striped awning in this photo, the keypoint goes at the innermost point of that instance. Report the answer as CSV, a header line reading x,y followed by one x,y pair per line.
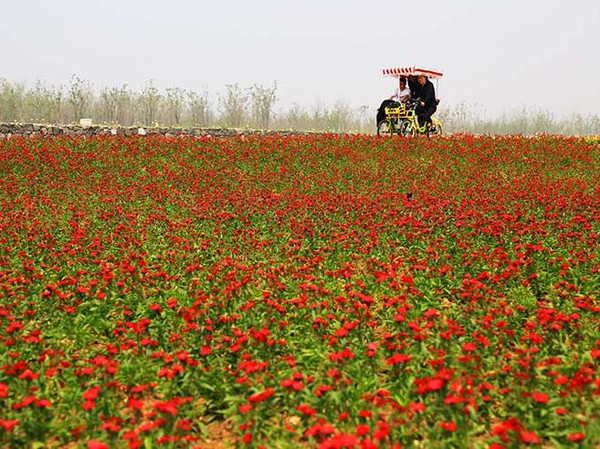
x,y
397,72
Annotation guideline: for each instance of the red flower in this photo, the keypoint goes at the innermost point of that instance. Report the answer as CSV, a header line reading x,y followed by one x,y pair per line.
x,y
245,408
362,430
24,403
14,326
529,437
397,359
306,409
259,397
28,375
91,394
205,350
95,444
417,407
576,436
43,403
469,347
342,441
319,429
435,384
449,426
8,424
341,332
135,403
542,398
365,414
155,308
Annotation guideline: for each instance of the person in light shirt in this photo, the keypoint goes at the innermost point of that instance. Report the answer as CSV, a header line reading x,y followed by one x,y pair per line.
x,y
402,93
396,100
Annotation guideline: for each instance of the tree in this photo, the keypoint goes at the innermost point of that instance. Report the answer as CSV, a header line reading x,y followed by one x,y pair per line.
x,y
80,96
11,100
319,116
199,108
365,119
115,104
233,106
57,114
296,118
263,99
149,101
42,103
175,102
339,117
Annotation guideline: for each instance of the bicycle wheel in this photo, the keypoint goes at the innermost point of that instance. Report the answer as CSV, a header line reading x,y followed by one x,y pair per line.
x,y
419,129
406,128
437,129
384,127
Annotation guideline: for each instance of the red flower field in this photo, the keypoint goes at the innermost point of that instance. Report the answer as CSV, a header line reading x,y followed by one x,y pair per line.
x,y
300,291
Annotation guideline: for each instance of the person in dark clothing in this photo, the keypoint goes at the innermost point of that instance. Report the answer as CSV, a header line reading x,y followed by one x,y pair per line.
x,y
415,87
427,102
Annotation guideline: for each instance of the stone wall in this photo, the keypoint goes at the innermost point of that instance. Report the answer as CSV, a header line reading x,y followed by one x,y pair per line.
x,y
8,130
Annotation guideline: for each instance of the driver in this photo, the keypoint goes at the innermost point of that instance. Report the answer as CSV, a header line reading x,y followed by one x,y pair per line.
x,y
427,104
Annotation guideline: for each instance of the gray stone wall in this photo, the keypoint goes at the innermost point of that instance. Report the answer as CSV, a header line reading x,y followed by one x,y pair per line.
x,y
8,130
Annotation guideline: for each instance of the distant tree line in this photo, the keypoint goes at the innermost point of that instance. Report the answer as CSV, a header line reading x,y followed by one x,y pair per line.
x,y
238,107
245,107
124,106
468,118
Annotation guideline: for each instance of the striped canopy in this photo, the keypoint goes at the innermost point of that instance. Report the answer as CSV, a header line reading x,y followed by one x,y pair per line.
x,y
397,72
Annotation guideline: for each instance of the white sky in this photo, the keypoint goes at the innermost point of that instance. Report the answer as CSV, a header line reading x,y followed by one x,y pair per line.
x,y
498,54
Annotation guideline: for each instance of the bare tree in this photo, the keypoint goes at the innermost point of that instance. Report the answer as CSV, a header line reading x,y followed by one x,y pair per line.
x,y
12,99
199,108
108,105
339,117
80,96
263,99
234,105
57,114
295,118
364,119
149,101
175,102
319,116
42,103
115,104
35,103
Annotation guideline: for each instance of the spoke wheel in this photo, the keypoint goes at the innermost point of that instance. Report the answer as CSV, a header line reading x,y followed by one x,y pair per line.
x,y
437,129
418,129
406,129
384,127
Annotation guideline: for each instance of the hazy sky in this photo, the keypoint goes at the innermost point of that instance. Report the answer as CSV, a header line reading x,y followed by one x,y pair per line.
x,y
498,54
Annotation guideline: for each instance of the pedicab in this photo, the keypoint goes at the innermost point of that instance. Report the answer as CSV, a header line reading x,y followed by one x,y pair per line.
x,y
402,118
